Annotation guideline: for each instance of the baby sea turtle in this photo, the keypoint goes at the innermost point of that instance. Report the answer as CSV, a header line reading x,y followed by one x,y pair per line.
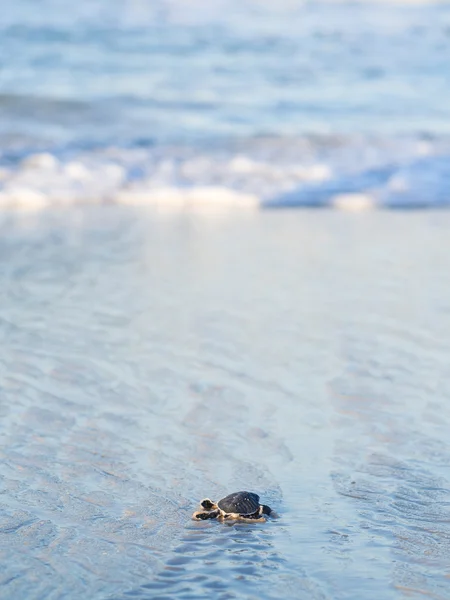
x,y
242,506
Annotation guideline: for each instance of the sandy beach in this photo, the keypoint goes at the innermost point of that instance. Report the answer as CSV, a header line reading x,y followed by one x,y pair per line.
x,y
149,359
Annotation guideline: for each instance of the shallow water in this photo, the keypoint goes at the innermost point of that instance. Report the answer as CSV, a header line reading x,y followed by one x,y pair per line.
x,y
149,359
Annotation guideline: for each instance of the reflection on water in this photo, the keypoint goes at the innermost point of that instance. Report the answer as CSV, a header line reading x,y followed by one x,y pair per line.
x,y
227,561
148,360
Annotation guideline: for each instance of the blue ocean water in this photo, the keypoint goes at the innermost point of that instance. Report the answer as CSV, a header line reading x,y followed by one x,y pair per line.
x,y
248,101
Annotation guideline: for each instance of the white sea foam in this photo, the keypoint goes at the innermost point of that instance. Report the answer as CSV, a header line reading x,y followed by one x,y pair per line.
x,y
349,175
195,197
353,202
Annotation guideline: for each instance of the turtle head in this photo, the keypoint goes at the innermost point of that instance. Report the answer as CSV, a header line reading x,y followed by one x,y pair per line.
x,y
208,504
266,510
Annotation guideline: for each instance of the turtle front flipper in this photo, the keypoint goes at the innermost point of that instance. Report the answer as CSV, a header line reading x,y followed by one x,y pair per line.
x,y
202,516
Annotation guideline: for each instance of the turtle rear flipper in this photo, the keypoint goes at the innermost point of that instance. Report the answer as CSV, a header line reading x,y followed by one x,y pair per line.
x,y
202,516
251,518
257,516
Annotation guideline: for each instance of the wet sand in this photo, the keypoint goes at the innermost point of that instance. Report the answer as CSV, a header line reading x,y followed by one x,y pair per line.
x,y
148,360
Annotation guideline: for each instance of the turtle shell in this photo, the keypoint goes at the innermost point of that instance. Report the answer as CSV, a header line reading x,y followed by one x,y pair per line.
x,y
243,503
